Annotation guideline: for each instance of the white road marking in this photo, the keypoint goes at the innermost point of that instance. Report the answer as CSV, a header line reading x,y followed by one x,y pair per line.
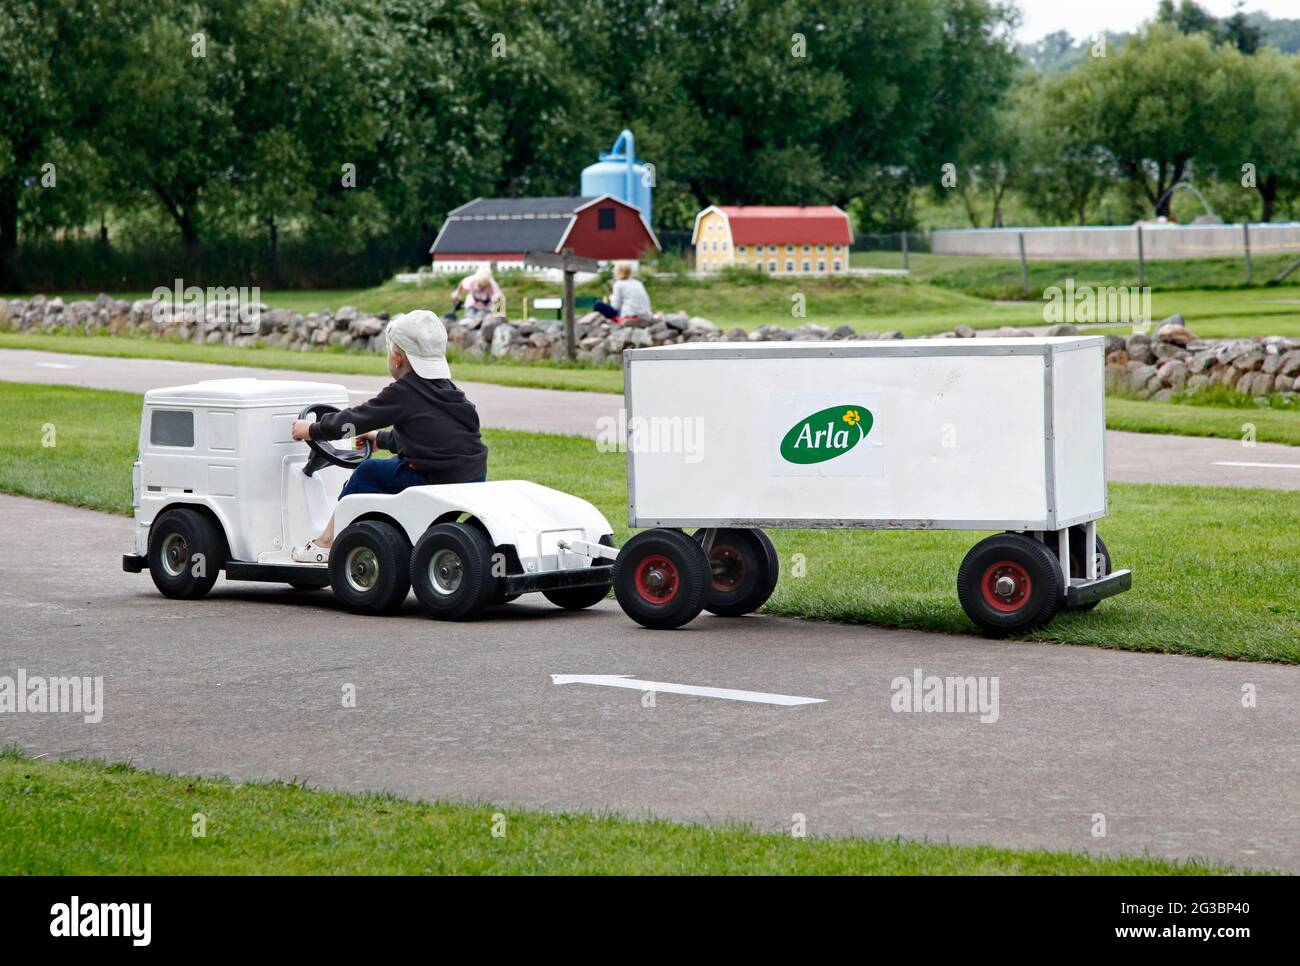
x,y
53,365
663,687
1272,466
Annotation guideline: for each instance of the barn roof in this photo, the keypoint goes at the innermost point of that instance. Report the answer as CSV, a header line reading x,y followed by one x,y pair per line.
x,y
561,205
489,225
785,224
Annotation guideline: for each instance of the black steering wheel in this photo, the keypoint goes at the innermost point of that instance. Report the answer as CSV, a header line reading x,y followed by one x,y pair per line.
x,y
323,453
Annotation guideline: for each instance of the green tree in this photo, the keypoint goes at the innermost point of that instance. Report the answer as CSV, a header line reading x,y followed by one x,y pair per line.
x,y
1065,169
33,113
1257,143
1153,107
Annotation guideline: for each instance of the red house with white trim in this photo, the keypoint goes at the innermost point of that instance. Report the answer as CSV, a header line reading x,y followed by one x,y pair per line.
x,y
778,239
501,230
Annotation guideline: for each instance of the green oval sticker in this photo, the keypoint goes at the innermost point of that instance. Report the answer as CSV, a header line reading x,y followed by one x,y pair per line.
x,y
827,434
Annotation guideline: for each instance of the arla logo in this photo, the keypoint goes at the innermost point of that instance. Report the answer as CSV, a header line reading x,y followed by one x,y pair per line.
x,y
825,435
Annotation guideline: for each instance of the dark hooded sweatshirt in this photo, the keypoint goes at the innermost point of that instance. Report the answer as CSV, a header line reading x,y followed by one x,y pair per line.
x,y
435,428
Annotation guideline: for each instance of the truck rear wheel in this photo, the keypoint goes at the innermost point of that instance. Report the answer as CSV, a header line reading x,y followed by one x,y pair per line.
x,y
451,571
370,567
1079,560
744,566
1010,584
186,553
580,598
662,578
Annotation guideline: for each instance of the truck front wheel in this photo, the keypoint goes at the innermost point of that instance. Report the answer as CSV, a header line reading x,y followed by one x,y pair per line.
x,y
186,554
1010,584
744,566
662,579
369,567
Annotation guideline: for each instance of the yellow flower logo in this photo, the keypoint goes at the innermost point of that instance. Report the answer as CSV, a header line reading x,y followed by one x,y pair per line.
x,y
851,417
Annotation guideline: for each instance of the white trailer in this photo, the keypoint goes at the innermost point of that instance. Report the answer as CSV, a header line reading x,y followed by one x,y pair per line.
x,y
959,434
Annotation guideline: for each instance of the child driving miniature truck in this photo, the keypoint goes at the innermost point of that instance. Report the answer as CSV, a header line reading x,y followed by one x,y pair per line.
x,y
224,484
435,429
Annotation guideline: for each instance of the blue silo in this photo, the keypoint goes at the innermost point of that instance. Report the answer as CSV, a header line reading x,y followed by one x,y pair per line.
x,y
618,173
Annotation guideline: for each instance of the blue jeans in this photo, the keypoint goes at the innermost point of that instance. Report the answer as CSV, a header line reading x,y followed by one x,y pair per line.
x,y
392,475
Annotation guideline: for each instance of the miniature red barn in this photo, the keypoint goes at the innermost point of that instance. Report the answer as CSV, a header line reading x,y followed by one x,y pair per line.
x,y
501,230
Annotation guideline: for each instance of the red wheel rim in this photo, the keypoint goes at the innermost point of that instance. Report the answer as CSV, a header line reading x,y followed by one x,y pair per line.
x,y
728,568
1006,586
657,580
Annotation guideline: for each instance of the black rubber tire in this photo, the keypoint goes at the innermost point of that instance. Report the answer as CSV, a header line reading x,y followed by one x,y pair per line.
x,y
744,568
688,569
1079,561
185,535
577,598
580,598
1042,597
385,554
475,587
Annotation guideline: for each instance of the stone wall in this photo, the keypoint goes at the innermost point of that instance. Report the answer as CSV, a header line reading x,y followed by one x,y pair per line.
x,y
1174,360
1156,365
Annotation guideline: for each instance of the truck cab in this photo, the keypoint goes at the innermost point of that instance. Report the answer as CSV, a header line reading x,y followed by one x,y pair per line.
x,y
226,447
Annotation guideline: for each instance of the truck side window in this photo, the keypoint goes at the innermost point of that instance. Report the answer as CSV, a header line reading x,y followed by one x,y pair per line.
x,y
171,427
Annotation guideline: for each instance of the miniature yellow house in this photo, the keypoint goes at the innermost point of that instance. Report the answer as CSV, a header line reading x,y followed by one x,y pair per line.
x,y
779,239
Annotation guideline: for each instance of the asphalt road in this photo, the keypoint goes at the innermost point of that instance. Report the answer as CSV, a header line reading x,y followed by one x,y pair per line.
x,y
1131,457
248,683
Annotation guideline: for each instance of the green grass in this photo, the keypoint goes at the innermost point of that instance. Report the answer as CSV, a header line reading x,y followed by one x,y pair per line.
x,y
467,369
748,300
92,818
1188,418
1210,293
995,278
1214,567
943,291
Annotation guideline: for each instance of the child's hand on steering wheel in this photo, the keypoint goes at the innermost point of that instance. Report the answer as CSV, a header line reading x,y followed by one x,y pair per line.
x,y
373,436
302,429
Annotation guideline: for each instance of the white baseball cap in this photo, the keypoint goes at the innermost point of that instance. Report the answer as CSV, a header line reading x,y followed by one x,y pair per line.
x,y
423,338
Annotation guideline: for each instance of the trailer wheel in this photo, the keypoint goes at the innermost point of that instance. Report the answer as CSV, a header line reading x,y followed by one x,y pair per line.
x,y
580,598
1079,560
370,567
662,578
744,568
451,571
186,553
1010,584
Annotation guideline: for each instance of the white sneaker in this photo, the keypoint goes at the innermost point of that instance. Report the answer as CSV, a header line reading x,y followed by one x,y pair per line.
x,y
311,553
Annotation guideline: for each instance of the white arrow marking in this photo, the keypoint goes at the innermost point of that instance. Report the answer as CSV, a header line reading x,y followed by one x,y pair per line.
x,y
1272,466
663,687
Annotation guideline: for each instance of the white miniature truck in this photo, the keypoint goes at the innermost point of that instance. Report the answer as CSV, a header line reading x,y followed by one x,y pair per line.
x,y
221,485
1004,434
